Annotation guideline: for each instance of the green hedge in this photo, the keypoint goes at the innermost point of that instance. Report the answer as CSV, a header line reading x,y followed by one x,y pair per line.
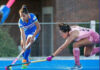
x,y
8,47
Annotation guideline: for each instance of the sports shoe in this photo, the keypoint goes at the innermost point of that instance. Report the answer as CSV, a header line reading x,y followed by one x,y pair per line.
x,y
24,66
77,67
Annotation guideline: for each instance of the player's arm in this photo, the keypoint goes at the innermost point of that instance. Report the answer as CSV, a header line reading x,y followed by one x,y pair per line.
x,y
69,40
37,30
36,22
23,37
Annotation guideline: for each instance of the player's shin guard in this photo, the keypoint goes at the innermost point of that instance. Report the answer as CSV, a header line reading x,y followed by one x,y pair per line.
x,y
26,54
76,53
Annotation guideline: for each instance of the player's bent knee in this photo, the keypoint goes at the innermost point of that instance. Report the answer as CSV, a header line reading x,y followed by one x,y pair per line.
x,y
29,38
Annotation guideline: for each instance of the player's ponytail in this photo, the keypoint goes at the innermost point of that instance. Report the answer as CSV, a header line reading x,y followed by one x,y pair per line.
x,y
64,27
23,9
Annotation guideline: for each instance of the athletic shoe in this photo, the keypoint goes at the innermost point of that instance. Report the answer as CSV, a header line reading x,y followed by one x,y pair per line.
x,y
24,66
77,67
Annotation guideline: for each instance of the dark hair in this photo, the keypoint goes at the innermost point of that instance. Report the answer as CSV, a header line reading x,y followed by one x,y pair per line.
x,y
23,9
64,27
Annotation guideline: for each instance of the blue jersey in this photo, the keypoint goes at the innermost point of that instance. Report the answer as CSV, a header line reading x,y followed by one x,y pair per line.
x,y
29,27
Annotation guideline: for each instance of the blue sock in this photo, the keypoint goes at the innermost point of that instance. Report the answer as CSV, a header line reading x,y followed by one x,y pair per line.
x,y
26,54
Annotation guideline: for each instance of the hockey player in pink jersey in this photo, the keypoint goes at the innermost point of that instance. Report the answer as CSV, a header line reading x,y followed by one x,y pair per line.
x,y
81,37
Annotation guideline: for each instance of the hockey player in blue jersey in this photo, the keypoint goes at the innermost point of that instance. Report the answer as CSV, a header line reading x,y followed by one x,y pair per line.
x,y
29,29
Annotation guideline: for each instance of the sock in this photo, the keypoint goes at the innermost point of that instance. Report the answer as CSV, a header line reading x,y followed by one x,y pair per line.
x,y
76,53
95,50
26,54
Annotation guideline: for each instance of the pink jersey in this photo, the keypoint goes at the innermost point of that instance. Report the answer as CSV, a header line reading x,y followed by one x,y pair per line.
x,y
86,33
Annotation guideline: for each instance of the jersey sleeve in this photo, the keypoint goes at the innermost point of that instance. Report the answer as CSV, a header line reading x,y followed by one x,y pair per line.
x,y
34,18
20,23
